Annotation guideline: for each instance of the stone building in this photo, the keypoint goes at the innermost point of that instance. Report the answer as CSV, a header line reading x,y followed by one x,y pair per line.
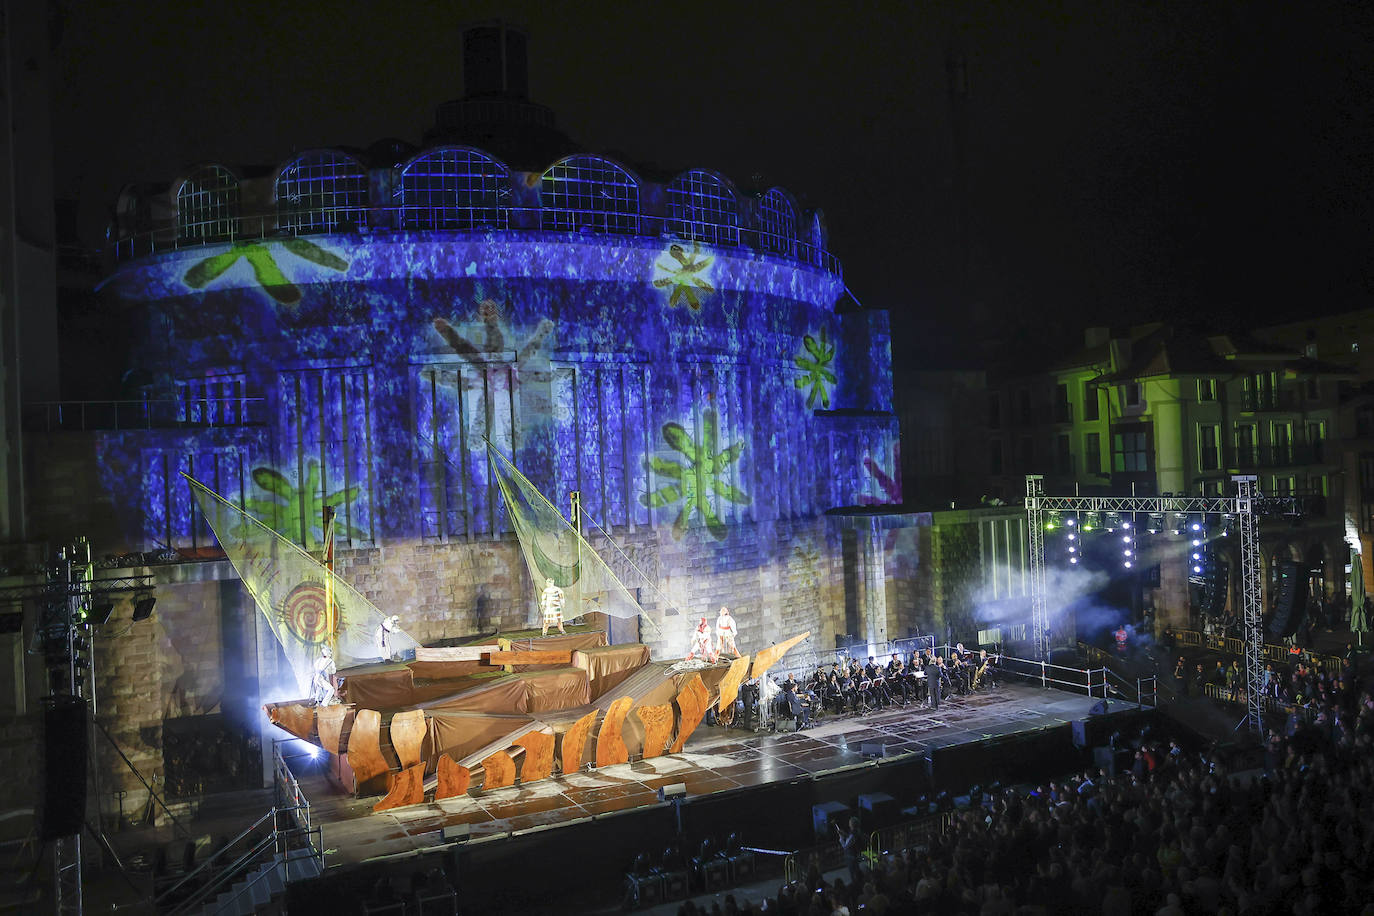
x,y
349,328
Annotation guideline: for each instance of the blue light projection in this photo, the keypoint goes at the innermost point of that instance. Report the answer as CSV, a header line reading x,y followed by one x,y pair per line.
x,y
386,358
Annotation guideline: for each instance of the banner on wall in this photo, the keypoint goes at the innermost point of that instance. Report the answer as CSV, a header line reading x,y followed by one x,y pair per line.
x,y
292,589
553,549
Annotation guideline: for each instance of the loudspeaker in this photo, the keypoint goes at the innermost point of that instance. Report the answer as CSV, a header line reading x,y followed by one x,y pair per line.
x,y
873,749
1290,602
1215,586
826,815
1098,709
62,811
670,792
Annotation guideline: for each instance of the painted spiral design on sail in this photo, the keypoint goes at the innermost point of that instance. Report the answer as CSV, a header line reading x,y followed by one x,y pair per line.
x,y
303,611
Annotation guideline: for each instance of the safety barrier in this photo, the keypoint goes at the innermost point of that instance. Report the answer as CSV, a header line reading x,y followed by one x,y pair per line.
x,y
1279,655
1237,696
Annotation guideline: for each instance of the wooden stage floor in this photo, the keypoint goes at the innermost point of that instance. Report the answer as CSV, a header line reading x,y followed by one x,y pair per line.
x,y
715,760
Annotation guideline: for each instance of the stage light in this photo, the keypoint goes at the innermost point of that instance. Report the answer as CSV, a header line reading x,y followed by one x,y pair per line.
x,y
143,606
1073,560
1070,522
1125,539
1196,526
1073,549
1197,556
1197,542
1197,569
1125,523
1127,564
1072,536
1126,552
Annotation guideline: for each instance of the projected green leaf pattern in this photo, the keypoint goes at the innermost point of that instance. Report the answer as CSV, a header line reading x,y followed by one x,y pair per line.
x,y
697,478
687,278
294,512
815,364
265,269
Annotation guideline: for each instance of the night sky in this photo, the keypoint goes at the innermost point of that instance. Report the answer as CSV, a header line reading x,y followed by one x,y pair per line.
x,y
1121,161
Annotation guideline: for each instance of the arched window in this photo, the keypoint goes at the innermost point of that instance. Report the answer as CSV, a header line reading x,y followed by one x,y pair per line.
x,y
777,223
454,187
701,206
322,191
586,192
207,205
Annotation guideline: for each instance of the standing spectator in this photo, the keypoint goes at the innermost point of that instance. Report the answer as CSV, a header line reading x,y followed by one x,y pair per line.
x,y
853,855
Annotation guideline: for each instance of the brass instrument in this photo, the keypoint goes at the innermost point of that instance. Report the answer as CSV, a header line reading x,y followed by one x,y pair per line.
x,y
978,675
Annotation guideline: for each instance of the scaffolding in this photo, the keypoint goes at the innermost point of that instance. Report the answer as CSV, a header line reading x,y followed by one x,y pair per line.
x,y
1244,508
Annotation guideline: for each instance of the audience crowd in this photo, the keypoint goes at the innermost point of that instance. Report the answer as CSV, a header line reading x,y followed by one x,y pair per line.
x,y
1175,834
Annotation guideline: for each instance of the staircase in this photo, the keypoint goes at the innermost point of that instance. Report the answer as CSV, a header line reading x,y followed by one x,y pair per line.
x,y
260,890
250,873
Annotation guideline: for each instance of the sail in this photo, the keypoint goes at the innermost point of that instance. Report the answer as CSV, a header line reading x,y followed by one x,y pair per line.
x,y
293,590
553,549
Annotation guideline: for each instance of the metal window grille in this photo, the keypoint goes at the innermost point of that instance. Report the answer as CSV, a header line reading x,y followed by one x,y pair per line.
x,y
455,188
702,207
777,223
322,192
584,192
207,205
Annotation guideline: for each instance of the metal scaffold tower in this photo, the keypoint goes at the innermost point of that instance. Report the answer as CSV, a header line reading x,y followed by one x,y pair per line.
x,y
1244,508
1035,534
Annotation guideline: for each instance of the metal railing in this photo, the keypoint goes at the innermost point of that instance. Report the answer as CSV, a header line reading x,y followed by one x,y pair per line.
x,y
1280,655
1237,696
908,834
520,220
290,832
80,416
1088,681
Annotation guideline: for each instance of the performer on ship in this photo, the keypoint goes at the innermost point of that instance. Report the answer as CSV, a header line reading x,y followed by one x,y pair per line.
x,y
322,685
725,633
701,644
551,607
388,626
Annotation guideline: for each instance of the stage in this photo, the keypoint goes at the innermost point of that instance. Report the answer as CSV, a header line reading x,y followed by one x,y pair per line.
x,y
715,761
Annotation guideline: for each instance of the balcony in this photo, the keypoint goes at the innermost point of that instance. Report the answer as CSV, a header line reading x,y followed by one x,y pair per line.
x,y
1269,400
472,220
1295,454
87,416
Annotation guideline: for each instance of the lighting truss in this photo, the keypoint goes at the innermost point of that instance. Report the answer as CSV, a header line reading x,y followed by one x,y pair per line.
x,y
1240,512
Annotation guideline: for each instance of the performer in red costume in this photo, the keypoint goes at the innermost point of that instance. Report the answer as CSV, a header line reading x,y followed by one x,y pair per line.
x,y
701,644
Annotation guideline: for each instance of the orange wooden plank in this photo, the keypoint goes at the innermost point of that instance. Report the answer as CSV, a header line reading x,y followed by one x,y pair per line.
x,y
767,658
610,743
691,704
538,762
331,722
498,771
528,657
297,718
364,747
658,727
407,734
454,778
404,788
729,685
575,742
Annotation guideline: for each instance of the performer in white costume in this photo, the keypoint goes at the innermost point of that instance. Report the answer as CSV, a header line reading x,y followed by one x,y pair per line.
x,y
384,631
322,685
701,644
551,606
725,633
